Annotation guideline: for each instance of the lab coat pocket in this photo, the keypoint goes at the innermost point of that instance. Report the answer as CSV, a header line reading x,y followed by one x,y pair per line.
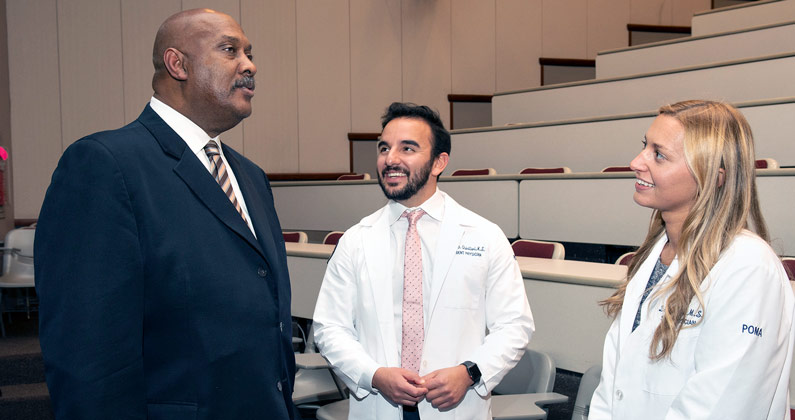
x,y
669,376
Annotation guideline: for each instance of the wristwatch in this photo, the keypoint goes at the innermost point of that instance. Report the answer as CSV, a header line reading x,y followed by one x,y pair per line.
x,y
473,371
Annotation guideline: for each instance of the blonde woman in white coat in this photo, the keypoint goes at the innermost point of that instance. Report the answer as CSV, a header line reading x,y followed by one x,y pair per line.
x,y
703,329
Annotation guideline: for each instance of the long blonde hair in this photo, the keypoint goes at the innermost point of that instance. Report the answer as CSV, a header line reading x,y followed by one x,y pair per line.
x,y
717,137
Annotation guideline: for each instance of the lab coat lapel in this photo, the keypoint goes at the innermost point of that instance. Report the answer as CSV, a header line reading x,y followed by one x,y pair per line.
x,y
379,268
449,239
635,291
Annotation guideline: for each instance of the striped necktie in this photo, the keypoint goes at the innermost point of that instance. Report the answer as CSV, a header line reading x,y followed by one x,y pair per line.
x,y
221,176
413,324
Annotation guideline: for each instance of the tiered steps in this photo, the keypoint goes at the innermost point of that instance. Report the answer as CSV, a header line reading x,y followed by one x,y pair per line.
x,y
777,38
591,144
743,16
644,34
734,81
24,392
738,54
564,70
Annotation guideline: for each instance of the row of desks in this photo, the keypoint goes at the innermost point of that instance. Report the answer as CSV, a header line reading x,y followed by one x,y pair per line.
x,y
580,207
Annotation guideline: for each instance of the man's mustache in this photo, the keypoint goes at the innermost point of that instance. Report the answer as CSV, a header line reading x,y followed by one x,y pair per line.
x,y
394,169
246,82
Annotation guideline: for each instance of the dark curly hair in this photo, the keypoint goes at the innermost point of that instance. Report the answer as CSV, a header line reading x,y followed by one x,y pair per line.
x,y
440,137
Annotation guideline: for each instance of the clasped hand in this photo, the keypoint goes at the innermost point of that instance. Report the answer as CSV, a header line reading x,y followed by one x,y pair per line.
x,y
443,388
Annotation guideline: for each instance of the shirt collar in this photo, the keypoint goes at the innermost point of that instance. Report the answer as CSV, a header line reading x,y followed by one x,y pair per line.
x,y
433,207
192,134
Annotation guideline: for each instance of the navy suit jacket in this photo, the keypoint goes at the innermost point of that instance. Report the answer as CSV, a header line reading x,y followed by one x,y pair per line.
x,y
156,301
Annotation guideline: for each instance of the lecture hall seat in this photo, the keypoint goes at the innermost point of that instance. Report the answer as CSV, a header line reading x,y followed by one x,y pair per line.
x,y
296,236
17,269
333,238
588,384
766,163
533,374
538,249
625,259
617,169
314,381
473,172
558,170
354,177
789,265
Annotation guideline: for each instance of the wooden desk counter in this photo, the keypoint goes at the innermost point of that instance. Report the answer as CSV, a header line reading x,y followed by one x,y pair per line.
x,y
575,272
564,296
309,250
307,265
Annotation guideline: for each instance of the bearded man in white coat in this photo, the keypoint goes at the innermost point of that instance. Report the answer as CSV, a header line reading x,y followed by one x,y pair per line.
x,y
422,310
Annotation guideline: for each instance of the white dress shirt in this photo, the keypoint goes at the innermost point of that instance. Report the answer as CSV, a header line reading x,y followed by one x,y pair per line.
x,y
428,227
196,139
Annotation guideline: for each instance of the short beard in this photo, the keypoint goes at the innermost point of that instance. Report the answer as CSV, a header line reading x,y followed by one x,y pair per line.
x,y
414,184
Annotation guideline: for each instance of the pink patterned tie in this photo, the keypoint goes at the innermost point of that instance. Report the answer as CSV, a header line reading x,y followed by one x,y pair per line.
x,y
413,326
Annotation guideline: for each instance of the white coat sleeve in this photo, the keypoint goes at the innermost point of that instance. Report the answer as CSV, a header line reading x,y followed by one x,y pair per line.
x,y
508,317
744,351
334,321
602,400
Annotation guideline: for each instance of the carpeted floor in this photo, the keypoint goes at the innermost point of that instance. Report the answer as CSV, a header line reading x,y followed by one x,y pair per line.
x,y
25,397
24,393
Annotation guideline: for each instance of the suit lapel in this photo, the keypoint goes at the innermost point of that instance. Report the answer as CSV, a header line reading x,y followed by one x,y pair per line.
x,y
256,206
449,239
209,192
379,268
196,176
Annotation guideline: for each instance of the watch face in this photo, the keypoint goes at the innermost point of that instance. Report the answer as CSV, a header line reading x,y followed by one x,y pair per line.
x,y
473,370
475,373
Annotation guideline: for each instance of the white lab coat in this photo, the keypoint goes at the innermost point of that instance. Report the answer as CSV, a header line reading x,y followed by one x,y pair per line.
x,y
474,290
734,364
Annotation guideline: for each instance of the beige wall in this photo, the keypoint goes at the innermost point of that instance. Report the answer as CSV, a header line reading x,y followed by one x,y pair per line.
x,y
325,67
7,210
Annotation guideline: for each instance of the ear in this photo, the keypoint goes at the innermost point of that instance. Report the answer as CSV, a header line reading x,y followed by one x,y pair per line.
x,y
440,163
721,177
174,61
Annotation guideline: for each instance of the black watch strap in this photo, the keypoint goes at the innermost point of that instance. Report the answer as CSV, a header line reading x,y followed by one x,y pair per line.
x,y
473,371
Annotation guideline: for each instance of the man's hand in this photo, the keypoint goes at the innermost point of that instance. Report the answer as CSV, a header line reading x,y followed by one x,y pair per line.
x,y
399,385
446,387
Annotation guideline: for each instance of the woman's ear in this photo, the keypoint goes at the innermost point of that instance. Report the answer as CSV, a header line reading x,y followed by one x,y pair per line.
x,y
721,177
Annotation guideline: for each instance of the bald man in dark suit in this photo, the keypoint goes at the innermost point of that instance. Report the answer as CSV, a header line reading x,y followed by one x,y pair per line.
x,y
160,263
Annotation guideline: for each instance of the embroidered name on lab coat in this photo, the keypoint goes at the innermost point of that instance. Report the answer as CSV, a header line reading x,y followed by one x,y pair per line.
x,y
692,317
750,329
474,251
